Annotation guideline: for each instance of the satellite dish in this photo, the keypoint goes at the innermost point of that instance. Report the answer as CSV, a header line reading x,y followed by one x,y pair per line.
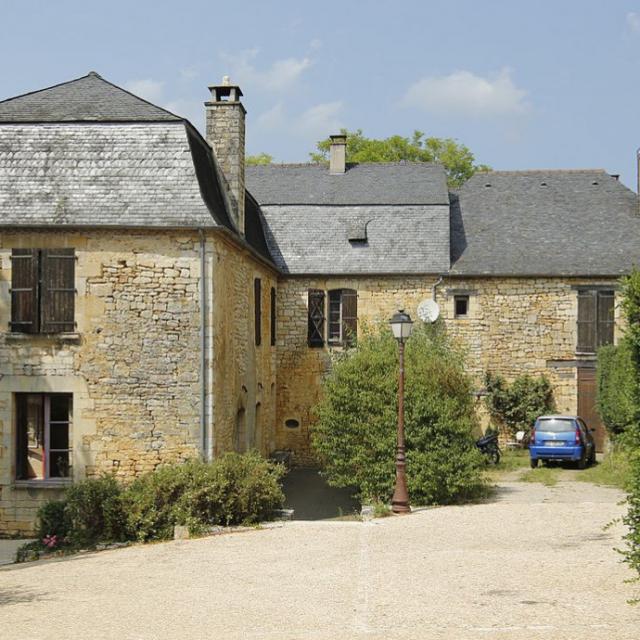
x,y
428,311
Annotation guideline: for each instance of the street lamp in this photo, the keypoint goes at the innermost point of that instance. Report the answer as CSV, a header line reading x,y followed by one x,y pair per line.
x,y
401,325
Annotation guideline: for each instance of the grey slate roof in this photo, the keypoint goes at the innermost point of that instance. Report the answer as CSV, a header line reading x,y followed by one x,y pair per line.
x,y
313,239
581,222
367,183
90,98
96,174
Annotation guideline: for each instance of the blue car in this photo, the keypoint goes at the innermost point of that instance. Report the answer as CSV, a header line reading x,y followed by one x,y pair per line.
x,y
562,438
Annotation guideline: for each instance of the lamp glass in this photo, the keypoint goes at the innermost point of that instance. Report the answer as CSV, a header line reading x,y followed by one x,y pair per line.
x,y
401,325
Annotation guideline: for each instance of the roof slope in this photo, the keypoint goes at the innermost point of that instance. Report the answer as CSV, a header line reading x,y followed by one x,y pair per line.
x,y
552,223
90,98
368,183
96,174
312,239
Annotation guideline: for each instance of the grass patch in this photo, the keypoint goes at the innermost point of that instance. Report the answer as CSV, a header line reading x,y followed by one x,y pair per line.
x,y
510,461
613,471
548,476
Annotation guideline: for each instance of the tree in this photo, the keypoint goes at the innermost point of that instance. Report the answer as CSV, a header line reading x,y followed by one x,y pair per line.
x,y
355,435
457,159
260,158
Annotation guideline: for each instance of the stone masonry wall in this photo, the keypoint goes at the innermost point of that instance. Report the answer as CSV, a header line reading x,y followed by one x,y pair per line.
x,y
514,326
132,367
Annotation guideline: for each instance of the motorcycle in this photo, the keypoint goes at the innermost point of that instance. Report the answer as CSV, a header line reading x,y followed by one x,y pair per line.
x,y
488,445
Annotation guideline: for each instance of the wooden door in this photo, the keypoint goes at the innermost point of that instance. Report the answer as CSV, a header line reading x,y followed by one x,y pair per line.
x,y
587,409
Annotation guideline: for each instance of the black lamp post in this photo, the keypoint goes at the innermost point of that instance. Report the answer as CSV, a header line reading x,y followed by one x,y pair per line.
x,y
401,325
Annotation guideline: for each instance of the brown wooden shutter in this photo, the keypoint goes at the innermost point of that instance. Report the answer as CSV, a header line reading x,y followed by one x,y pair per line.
x,y
24,290
586,321
315,336
605,317
257,303
273,316
57,294
349,317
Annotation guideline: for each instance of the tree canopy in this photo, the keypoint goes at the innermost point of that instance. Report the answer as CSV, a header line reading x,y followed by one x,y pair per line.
x,y
458,160
260,158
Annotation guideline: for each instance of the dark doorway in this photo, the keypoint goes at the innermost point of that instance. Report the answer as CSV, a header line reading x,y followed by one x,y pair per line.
x,y
311,498
587,408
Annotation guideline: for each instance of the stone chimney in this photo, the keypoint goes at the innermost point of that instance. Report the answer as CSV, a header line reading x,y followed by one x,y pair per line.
x,y
225,133
338,154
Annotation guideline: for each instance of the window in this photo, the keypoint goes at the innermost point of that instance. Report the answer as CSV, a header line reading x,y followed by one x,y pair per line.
x,y
343,317
595,319
257,305
43,436
461,306
315,307
273,316
42,290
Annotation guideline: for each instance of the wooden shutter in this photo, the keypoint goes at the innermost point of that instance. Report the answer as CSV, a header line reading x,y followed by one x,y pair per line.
x,y
257,305
586,321
315,336
24,290
57,294
605,317
273,316
349,317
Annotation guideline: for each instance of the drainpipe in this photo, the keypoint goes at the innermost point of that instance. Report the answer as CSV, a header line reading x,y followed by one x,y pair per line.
x,y
203,348
435,286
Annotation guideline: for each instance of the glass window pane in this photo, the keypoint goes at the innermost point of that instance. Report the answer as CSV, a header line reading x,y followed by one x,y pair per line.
x,y
59,408
59,436
59,464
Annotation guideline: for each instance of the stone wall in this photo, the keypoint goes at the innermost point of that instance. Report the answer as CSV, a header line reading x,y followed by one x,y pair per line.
x,y
514,326
133,365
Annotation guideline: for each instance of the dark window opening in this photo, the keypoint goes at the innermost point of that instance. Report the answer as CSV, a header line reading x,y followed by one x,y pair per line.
x,y
273,317
343,317
43,424
42,290
257,303
315,334
461,304
291,423
595,319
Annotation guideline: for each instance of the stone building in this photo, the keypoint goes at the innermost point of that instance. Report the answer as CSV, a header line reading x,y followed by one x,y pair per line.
x,y
154,307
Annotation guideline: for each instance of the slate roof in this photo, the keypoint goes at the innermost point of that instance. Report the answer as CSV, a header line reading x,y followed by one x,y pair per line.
x,y
90,98
548,223
313,239
385,183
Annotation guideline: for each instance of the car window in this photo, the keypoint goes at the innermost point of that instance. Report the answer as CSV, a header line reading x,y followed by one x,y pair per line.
x,y
555,425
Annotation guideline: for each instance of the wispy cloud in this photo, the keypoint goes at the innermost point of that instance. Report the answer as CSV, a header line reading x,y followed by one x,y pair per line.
x,y
151,90
280,75
633,21
467,94
313,123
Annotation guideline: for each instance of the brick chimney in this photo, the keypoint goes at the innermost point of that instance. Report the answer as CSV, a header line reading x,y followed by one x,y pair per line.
x,y
338,154
225,133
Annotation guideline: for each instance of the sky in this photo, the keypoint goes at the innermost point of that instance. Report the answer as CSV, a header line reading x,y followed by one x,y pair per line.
x,y
525,85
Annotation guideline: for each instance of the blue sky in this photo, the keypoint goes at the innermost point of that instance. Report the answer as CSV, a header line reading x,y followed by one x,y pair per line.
x,y
546,84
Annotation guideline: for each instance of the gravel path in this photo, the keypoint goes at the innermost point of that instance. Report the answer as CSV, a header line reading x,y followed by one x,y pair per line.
x,y
534,563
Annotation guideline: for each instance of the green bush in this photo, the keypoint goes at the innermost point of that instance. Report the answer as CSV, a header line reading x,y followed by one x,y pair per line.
x,y
233,489
93,511
632,518
355,434
517,405
617,387
52,520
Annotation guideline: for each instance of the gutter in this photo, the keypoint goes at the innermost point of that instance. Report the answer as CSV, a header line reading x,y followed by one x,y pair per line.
x,y
435,286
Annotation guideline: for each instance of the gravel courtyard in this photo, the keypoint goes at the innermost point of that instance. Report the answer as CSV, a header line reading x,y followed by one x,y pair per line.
x,y
533,563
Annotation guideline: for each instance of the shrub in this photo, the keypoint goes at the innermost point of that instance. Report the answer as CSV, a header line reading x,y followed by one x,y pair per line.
x,y
233,489
517,405
93,511
617,387
632,518
52,520
355,434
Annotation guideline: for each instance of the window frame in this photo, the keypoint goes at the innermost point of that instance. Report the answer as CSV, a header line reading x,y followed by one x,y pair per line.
x,y
603,329
459,297
337,299
257,305
21,433
273,309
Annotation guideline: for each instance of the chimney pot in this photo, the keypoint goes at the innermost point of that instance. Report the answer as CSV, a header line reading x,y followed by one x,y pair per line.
x,y
338,154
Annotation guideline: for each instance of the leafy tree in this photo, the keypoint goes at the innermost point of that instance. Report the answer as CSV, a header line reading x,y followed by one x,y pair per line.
x,y
260,158
355,435
458,161
517,405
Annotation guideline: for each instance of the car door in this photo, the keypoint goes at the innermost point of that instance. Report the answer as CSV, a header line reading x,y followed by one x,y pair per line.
x,y
587,436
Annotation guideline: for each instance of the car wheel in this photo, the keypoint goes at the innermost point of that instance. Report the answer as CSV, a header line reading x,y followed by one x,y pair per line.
x,y
534,463
582,463
592,458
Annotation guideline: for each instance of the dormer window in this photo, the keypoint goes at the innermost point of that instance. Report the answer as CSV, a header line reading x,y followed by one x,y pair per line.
x,y
357,231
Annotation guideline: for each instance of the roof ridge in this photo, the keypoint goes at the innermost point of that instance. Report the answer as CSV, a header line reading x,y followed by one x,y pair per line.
x,y
528,171
323,164
53,86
